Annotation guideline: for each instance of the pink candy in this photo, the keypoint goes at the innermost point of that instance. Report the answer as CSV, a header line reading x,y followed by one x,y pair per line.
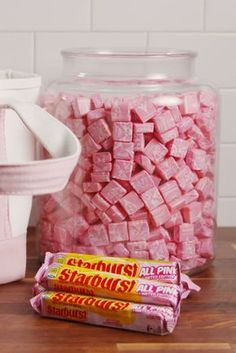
x,y
144,183
155,151
152,198
118,232
138,230
113,192
131,203
122,131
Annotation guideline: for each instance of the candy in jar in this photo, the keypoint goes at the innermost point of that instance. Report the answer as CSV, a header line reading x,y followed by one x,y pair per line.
x,y
144,186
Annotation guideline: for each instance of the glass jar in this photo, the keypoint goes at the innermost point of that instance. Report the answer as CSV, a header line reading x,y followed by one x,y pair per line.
x,y
144,186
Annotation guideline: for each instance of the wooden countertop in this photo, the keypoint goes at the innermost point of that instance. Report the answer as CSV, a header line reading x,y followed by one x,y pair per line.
x,y
207,322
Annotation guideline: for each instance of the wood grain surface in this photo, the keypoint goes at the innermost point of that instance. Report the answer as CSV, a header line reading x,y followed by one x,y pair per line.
x,y
207,322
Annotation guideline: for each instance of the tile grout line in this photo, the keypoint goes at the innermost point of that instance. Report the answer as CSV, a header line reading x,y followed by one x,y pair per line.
x,y
82,31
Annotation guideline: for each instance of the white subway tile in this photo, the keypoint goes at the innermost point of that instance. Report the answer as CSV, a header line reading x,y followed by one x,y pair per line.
x,y
217,54
148,15
44,15
226,212
49,45
227,171
16,51
221,15
228,116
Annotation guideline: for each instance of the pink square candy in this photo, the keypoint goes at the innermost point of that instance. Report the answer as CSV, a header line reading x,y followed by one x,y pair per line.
x,y
145,163
131,203
208,209
160,215
141,182
152,198
100,177
81,106
184,177
89,146
123,150
99,130
164,122
195,133
144,128
192,212
76,225
175,220
113,192
122,169
169,135
91,187
167,168
97,235
175,112
63,110
184,232
107,144
96,101
102,167
179,148
170,191
196,159
207,98
118,232
120,250
79,176
177,204
186,250
155,151
139,142
158,250
190,103
122,131
77,126
191,196
102,157
85,163
145,110
205,188
185,124
120,111
156,180
115,214
99,202
206,248
96,114
138,230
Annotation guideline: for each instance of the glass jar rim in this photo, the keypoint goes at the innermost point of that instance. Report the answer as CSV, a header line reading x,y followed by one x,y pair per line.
x,y
128,53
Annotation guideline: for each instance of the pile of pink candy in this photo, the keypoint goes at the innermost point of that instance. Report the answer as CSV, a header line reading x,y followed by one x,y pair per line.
x,y
144,184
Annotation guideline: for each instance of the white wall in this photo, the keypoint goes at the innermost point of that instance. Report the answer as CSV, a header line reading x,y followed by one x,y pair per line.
x,y
32,33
